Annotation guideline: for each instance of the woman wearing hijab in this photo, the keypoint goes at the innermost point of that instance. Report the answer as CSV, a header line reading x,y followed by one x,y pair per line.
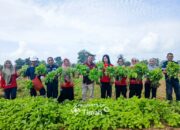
x,y
9,83
120,83
67,90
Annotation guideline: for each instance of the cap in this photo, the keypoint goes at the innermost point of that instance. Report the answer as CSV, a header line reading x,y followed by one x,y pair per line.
x,y
33,58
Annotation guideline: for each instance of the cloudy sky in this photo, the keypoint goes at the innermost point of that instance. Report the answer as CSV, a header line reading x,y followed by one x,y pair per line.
x,y
134,28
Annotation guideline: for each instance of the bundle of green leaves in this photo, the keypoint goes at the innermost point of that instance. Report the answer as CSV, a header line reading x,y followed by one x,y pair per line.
x,y
40,70
100,65
110,71
24,83
155,76
70,72
22,71
95,74
131,72
173,70
141,69
50,77
59,71
82,69
120,71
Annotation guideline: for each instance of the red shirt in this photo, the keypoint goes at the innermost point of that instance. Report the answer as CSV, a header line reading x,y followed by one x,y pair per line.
x,y
67,85
1,83
121,82
105,79
12,84
135,81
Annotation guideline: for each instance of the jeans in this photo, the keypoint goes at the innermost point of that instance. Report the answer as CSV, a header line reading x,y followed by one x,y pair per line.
x,y
170,84
10,93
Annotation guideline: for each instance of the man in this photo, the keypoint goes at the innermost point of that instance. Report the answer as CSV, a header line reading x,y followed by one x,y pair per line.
x,y
171,82
87,83
52,87
30,73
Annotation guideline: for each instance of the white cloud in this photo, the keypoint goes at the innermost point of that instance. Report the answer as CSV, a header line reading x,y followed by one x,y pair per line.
x,y
22,51
63,28
149,42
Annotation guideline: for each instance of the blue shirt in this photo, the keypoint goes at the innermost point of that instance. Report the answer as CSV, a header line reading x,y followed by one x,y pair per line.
x,y
30,72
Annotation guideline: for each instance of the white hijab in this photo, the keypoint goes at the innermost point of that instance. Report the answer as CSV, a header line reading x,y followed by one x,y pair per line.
x,y
7,73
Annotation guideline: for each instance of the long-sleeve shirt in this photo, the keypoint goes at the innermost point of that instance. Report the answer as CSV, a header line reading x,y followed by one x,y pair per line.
x,y
12,84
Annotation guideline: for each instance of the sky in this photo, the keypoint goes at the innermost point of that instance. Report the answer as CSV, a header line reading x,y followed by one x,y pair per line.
x,y
134,28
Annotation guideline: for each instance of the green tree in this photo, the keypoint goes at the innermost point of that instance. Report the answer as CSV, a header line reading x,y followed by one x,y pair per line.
x,y
43,62
82,56
145,61
19,63
27,61
127,63
58,60
1,67
157,61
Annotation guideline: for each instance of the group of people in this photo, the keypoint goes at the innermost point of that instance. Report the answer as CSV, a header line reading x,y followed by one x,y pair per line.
x,y
9,74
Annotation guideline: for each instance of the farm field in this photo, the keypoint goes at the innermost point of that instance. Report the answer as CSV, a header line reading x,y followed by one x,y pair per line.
x,y
42,113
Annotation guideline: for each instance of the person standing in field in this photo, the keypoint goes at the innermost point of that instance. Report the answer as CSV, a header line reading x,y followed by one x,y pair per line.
x,y
136,85
30,73
52,87
120,84
67,85
106,83
8,80
171,82
87,83
149,88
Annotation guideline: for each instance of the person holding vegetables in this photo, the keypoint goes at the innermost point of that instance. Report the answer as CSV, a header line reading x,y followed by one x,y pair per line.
x,y
8,80
120,82
67,85
106,81
149,87
36,79
87,83
171,70
52,87
135,87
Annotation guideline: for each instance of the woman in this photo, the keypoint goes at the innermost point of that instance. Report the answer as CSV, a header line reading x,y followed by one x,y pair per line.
x,y
106,84
120,84
67,90
52,87
9,83
136,85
